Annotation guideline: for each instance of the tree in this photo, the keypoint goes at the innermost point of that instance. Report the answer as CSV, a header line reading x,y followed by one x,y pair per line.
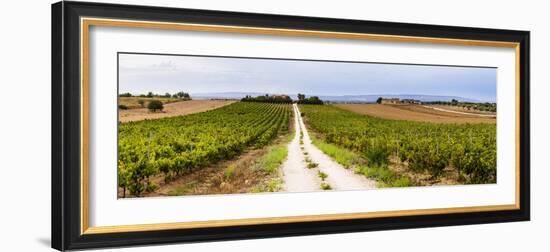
x,y
315,100
167,95
311,100
150,94
155,105
125,95
379,100
182,95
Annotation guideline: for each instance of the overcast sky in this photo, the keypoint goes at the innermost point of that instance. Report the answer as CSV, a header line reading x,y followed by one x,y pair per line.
x,y
160,74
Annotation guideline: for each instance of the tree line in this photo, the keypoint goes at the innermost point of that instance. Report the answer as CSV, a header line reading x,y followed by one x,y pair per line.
x,y
310,100
481,106
268,98
283,99
178,95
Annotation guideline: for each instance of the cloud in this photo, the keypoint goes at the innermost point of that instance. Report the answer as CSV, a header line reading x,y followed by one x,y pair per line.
x,y
162,73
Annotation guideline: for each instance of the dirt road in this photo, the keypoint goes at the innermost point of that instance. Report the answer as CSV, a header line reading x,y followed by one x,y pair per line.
x,y
296,175
299,178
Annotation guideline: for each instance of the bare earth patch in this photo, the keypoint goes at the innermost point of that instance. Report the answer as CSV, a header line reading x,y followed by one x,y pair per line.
x,y
218,178
171,109
133,102
417,113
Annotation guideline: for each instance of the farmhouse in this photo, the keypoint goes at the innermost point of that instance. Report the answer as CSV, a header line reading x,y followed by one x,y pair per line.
x,y
390,101
411,101
282,97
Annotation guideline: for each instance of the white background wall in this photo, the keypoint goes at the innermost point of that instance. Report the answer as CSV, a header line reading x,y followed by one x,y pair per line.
x,y
25,125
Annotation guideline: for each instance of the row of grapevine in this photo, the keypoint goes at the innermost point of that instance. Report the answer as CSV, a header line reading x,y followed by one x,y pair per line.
x,y
177,145
469,148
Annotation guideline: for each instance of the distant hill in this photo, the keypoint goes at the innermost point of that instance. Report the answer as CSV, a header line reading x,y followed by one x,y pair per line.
x,y
224,95
372,98
339,98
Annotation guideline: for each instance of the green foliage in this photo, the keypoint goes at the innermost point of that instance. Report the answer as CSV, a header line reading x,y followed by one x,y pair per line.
x,y
183,189
268,98
322,175
400,182
350,159
182,95
122,106
431,147
310,100
378,173
155,105
274,157
325,186
178,145
312,165
424,155
123,177
272,185
379,100
229,172
477,161
342,156
480,106
377,154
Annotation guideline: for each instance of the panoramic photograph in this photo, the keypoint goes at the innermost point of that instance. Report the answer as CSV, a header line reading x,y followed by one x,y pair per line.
x,y
205,125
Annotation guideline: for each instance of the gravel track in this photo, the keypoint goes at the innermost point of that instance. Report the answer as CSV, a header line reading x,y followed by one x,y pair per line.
x,y
299,178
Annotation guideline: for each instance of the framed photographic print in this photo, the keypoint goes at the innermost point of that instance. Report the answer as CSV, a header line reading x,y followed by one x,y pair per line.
x,y
181,125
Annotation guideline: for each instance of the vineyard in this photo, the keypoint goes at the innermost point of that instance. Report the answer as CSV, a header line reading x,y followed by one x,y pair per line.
x,y
171,147
423,147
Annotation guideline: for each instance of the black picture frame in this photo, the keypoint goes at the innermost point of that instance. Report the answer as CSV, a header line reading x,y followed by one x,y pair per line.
x,y
66,141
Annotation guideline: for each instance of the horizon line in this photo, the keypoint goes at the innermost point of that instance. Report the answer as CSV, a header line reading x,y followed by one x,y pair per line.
x,y
344,95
